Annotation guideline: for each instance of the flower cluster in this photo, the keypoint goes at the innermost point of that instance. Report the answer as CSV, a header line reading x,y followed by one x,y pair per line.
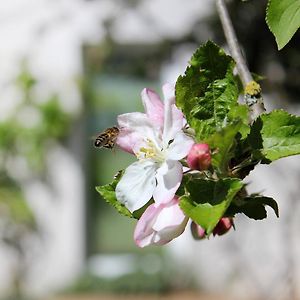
x,y
158,140
193,157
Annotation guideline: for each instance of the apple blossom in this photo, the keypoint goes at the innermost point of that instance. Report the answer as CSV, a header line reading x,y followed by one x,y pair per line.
x,y
199,157
197,231
223,226
160,223
157,140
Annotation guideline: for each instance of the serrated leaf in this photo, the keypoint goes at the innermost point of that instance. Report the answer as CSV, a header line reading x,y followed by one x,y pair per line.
x,y
275,135
283,19
207,90
206,200
108,193
240,112
222,145
253,207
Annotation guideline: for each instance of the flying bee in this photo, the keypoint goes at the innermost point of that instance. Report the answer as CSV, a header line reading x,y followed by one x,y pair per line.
x,y
107,138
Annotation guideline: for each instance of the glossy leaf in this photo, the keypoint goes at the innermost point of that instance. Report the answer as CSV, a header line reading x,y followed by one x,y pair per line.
x,y
275,135
208,90
253,207
283,19
108,193
207,200
222,144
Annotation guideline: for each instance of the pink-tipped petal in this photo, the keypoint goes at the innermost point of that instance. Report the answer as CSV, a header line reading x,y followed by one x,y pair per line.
x,y
134,128
160,224
143,232
154,107
127,140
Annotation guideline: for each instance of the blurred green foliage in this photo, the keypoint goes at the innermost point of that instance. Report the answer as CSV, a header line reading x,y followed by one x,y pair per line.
x,y
14,208
134,283
31,127
26,134
55,122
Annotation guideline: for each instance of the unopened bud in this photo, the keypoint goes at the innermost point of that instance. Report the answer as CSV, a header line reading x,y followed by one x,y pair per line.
x,y
199,157
198,232
223,226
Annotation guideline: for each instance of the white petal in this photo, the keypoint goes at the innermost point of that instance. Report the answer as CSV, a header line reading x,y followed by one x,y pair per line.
x,y
137,184
180,147
169,92
171,215
173,117
169,233
168,117
168,178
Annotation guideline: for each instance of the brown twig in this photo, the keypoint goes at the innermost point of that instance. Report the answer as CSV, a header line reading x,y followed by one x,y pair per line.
x,y
252,89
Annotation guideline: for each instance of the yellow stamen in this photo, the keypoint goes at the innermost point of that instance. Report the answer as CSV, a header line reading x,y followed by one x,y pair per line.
x,y
150,152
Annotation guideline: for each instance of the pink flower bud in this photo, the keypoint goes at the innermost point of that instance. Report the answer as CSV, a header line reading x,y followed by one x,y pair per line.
x,y
199,157
198,232
223,226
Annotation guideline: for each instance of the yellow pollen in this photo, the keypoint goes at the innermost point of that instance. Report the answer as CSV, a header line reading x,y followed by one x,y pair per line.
x,y
148,152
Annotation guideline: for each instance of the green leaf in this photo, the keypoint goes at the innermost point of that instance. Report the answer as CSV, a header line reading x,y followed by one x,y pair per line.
x,y
207,90
283,19
222,144
253,207
108,193
138,213
206,200
275,135
224,141
240,112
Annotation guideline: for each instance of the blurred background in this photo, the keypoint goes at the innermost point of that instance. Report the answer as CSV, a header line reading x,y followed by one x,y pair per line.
x,y
68,68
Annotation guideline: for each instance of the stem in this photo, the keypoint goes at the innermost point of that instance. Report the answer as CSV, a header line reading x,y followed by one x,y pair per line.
x,y
252,89
233,44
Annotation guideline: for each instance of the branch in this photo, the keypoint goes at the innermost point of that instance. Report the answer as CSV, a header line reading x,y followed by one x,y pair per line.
x,y
252,89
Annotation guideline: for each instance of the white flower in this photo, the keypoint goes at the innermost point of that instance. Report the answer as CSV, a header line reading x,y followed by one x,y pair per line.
x,y
157,140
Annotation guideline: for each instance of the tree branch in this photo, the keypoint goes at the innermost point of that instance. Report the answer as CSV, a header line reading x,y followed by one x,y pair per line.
x,y
252,89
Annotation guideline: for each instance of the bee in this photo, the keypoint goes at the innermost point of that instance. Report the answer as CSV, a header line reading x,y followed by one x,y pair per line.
x,y
107,138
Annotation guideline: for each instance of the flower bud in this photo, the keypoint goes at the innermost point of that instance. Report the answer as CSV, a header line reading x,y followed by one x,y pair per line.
x,y
223,226
199,157
198,232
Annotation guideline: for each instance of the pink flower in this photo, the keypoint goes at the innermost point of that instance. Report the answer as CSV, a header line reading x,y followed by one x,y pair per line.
x,y
199,157
198,232
160,224
157,140
223,226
